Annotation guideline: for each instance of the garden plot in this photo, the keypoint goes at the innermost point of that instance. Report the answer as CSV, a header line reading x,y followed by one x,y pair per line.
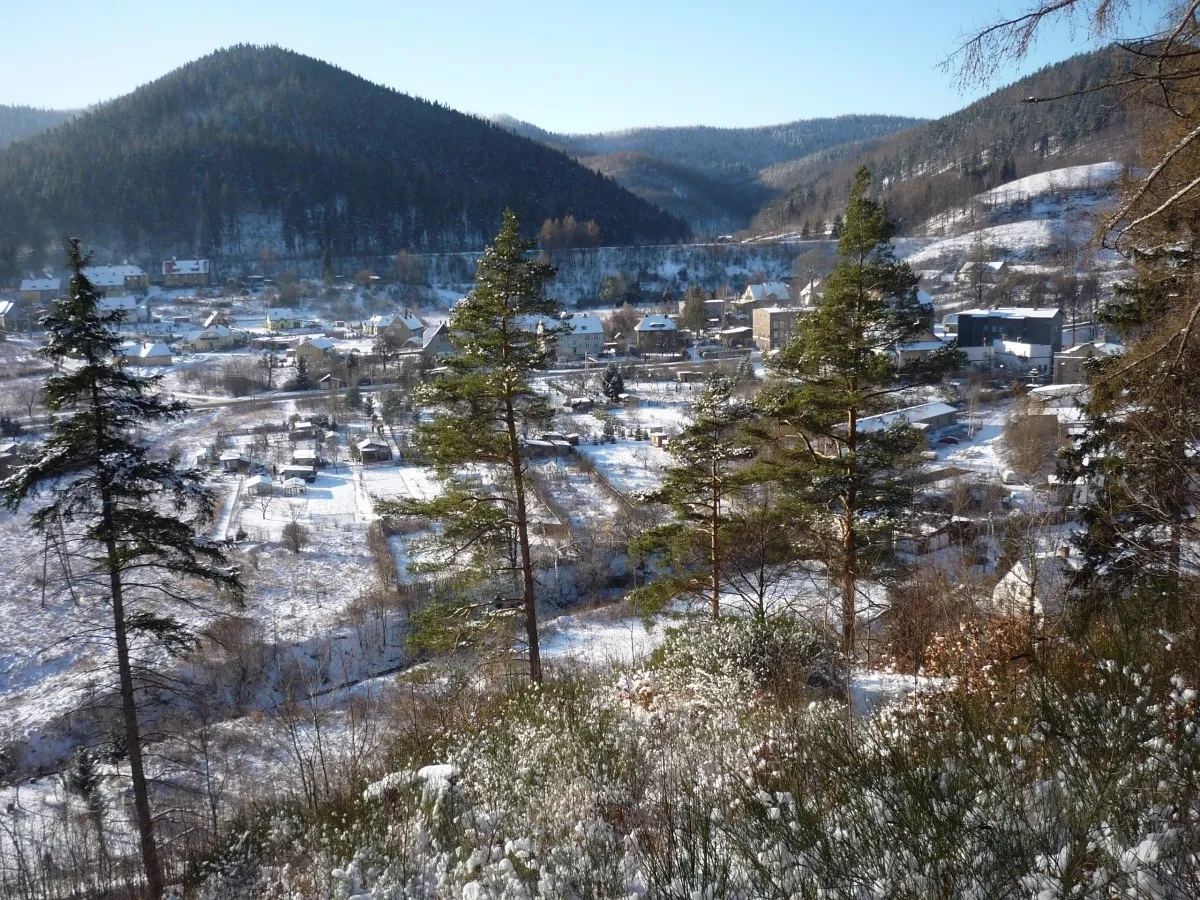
x,y
575,491
632,467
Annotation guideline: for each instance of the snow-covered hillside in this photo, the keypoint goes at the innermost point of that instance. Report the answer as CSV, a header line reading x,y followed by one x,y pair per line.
x,y
1027,220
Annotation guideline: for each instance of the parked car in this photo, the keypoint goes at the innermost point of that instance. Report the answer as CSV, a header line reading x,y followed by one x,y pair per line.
x,y
948,440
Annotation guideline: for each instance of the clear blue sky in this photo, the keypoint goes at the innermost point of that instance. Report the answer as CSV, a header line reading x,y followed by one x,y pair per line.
x,y
571,65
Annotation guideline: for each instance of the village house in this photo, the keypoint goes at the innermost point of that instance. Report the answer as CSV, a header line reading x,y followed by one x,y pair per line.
x,y
771,293
1068,365
130,308
656,334
578,337
40,290
146,353
210,338
772,326
6,308
993,270
186,273
919,348
116,281
315,351
216,317
400,328
281,318
437,343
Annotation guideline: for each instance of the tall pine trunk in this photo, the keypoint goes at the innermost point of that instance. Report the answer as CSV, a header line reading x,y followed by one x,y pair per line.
x,y
713,533
129,712
849,537
530,599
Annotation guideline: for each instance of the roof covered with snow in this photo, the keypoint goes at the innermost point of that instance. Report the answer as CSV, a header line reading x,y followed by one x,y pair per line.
x,y
1012,312
112,276
585,324
910,414
41,284
655,323
185,267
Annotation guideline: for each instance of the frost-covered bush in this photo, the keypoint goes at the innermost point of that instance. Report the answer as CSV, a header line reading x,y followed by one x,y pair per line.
x,y
651,785
778,653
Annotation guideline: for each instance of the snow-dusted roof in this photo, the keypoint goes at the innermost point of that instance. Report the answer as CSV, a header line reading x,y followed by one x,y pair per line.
x,y
185,266
146,351
294,483
368,443
770,288
655,323
283,312
108,304
112,276
585,325
6,307
256,480
1011,312
41,284
321,343
910,414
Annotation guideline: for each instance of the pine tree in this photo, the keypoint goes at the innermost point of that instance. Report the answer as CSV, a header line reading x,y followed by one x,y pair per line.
x,y
708,455
485,404
836,371
129,510
612,383
301,382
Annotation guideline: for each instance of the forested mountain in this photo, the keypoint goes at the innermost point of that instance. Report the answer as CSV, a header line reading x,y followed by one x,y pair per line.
x,y
20,122
713,177
945,162
259,146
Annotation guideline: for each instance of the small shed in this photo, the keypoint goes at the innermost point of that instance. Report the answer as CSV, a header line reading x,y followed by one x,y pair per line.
x,y
308,473
304,457
294,487
372,449
260,485
233,461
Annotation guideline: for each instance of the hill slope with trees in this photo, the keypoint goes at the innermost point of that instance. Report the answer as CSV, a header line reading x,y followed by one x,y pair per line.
x,y
20,122
713,177
259,146
943,163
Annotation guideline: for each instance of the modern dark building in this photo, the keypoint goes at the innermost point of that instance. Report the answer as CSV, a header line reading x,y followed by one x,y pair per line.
x,y
1020,336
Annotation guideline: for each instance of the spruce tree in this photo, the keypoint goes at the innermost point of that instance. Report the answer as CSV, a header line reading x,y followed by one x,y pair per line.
x,y
836,371
484,405
612,383
708,454
126,508
302,382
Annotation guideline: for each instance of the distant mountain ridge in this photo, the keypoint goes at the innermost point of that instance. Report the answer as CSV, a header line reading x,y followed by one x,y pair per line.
x,y
257,147
944,163
20,122
713,177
